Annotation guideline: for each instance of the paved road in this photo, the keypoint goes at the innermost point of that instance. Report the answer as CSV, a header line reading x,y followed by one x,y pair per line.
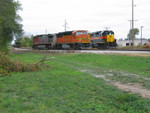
x,y
88,51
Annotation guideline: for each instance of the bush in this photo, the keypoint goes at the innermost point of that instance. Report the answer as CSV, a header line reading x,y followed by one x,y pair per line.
x,y
146,46
4,48
7,66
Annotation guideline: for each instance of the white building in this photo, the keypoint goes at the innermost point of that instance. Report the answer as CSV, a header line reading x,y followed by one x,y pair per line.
x,y
123,43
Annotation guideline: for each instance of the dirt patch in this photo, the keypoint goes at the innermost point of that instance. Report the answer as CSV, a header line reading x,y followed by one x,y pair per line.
x,y
133,75
128,54
84,70
135,88
137,54
147,70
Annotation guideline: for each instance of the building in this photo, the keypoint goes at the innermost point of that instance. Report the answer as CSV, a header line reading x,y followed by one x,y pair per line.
x,y
137,42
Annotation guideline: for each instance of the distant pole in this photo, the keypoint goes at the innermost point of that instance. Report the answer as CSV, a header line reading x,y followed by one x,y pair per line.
x,y
45,31
107,28
132,22
65,25
129,31
141,34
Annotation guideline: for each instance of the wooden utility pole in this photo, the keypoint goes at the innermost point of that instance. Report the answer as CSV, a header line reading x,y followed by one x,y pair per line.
x,y
141,34
129,32
132,22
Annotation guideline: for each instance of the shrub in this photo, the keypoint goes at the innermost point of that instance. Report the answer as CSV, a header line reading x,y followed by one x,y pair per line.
x,y
146,46
7,66
4,48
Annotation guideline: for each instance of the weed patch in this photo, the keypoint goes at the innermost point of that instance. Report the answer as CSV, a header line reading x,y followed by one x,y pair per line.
x,y
7,66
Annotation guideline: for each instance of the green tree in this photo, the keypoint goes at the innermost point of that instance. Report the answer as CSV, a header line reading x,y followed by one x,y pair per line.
x,y
10,26
136,32
25,41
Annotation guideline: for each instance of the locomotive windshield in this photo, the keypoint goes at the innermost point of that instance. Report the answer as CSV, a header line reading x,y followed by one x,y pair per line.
x,y
104,33
80,33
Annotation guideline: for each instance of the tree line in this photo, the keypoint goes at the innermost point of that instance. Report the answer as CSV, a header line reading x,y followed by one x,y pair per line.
x,y
24,41
10,25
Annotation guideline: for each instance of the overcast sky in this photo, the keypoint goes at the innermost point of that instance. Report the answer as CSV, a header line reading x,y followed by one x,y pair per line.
x,y
40,16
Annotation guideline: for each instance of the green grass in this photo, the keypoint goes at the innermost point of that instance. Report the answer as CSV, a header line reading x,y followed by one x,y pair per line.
x,y
64,89
137,65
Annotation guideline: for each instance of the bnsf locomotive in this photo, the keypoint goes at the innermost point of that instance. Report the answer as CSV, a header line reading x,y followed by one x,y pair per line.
x,y
79,39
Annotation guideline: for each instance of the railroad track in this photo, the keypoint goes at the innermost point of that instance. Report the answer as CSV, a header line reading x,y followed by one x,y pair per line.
x,y
90,51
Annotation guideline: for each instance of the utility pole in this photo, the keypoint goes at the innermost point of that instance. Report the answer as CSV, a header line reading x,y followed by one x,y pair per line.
x,y
45,31
132,22
65,26
141,34
107,28
129,31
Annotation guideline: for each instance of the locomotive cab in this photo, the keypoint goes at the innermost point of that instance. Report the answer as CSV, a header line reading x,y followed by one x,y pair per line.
x,y
83,39
110,36
82,36
111,41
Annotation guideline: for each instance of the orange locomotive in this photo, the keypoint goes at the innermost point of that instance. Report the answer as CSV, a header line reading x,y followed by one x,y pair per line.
x,y
73,40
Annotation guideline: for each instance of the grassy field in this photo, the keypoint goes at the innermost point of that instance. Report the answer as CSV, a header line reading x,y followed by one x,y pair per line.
x,y
68,87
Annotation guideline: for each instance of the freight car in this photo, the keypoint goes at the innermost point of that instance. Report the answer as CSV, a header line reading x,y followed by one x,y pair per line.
x,y
103,39
64,40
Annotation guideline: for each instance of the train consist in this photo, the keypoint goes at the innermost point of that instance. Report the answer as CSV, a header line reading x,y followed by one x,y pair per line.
x,y
79,39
